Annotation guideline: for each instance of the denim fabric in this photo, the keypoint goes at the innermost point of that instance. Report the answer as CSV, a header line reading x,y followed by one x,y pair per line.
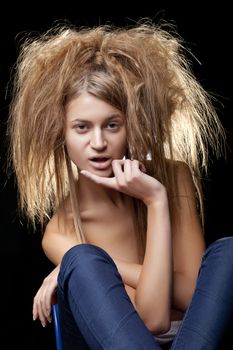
x,y
92,288
96,312
211,310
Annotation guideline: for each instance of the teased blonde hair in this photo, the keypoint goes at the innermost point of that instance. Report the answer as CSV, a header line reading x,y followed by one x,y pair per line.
x,y
141,70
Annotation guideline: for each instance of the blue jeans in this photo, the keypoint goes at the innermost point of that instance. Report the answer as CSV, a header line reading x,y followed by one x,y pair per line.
x,y
96,312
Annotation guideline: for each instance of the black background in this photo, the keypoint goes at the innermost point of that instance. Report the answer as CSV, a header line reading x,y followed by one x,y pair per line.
x,y
208,35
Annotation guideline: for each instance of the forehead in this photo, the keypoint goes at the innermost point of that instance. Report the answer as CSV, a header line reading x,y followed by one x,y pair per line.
x,y
87,106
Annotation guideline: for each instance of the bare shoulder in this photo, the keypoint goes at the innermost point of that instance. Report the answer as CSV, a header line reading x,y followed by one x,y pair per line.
x,y
178,167
184,178
59,235
60,226
62,219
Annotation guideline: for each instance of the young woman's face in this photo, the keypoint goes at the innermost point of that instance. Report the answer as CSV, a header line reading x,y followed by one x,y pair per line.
x,y
95,134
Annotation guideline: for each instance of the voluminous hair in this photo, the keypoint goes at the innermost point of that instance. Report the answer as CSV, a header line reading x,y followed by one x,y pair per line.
x,y
141,70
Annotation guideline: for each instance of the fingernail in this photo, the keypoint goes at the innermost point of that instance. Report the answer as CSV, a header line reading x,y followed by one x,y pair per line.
x,y
85,173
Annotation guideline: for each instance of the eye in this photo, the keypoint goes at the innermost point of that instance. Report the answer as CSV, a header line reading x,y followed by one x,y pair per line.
x,y
113,125
80,127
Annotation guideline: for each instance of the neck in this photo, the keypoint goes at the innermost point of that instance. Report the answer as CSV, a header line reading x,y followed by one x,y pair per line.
x,y
91,193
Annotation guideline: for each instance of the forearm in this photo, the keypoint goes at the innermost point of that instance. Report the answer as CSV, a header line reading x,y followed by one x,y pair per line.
x,y
182,288
153,292
182,291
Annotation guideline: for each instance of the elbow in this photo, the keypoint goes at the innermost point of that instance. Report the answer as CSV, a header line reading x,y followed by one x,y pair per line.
x,y
156,322
44,244
157,327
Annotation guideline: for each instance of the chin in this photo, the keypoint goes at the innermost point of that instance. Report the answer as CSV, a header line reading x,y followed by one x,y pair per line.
x,y
103,173
99,172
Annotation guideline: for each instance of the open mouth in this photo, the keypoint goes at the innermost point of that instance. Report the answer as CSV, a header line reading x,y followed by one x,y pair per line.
x,y
100,162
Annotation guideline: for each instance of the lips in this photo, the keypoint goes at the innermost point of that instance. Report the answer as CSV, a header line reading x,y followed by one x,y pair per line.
x,y
100,162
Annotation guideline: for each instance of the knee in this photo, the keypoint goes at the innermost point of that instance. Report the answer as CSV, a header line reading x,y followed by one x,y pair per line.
x,y
222,247
83,256
225,243
83,263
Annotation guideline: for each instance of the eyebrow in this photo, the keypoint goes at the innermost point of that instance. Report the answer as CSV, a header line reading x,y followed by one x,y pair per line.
x,y
116,115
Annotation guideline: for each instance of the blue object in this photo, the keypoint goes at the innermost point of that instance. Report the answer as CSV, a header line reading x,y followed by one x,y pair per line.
x,y
56,322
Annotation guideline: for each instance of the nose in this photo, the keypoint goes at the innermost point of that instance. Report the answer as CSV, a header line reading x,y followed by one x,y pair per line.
x,y
98,141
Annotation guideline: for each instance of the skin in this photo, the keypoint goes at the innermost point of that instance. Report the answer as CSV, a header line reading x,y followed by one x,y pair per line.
x,y
161,285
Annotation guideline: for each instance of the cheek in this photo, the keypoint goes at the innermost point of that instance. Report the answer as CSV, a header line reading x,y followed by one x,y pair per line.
x,y
122,144
72,146
124,139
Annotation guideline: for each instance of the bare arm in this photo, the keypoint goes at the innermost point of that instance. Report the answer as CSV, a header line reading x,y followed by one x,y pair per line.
x,y
153,292
57,240
188,246
188,240
60,235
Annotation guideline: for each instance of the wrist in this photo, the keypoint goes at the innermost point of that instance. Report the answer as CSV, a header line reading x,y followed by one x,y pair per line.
x,y
158,199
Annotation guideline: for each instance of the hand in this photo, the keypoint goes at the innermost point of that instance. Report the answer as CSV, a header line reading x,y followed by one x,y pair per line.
x,y
130,178
45,297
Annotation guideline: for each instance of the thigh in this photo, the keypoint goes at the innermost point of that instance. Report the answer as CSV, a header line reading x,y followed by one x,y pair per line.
x,y
72,338
95,297
211,309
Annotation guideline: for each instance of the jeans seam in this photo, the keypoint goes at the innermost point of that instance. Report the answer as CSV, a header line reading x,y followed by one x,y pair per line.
x,y
122,321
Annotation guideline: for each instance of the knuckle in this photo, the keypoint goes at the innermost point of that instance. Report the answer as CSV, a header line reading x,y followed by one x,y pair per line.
x,y
135,176
122,184
129,180
46,279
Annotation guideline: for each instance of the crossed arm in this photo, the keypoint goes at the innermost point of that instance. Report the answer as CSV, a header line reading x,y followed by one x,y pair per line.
x,y
167,277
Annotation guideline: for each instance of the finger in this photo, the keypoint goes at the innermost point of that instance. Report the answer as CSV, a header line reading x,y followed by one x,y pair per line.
x,y
49,297
118,171
47,309
136,167
34,310
42,316
45,304
37,308
105,181
128,169
142,167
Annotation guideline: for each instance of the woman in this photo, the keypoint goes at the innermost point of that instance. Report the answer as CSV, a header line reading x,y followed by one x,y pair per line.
x,y
117,130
